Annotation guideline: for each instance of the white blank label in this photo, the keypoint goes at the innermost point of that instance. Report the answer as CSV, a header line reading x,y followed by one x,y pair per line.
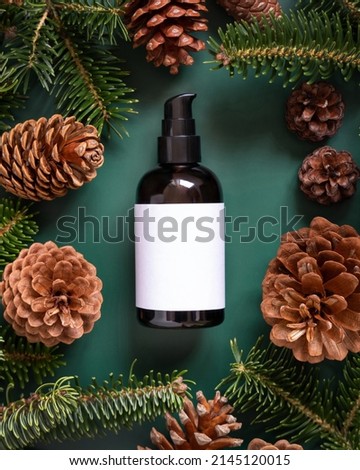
x,y
180,256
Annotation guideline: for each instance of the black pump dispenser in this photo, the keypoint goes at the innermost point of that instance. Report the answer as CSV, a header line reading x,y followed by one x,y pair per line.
x,y
179,143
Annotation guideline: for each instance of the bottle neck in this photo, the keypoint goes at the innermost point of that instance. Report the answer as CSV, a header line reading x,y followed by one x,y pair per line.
x,y
179,149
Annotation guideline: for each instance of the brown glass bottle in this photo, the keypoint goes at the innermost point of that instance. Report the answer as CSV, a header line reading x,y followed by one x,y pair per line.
x,y
179,179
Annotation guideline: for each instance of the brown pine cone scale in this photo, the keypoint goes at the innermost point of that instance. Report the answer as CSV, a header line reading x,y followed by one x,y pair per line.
x,y
328,176
166,29
311,292
249,9
314,112
43,159
51,295
282,444
208,426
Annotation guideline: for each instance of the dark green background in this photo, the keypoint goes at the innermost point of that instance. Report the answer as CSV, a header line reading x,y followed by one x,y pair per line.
x,y
246,143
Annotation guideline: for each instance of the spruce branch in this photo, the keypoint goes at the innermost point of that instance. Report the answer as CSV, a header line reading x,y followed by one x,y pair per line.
x,y
96,19
348,401
291,399
8,103
17,229
69,48
343,7
31,50
21,359
64,410
299,44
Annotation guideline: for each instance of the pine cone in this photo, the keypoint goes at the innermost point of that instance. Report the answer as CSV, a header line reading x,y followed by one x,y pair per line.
x,y
50,294
165,27
328,176
311,292
283,444
204,428
249,9
42,159
314,112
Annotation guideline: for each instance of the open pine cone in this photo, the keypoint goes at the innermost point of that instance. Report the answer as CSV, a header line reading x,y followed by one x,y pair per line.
x,y
311,292
204,428
249,9
282,444
166,28
328,176
51,295
41,160
315,111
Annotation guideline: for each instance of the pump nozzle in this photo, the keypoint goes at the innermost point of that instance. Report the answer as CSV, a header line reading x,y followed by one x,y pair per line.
x,y
178,143
179,107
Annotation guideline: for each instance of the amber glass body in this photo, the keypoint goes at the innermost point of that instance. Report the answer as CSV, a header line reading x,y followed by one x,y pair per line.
x,y
179,184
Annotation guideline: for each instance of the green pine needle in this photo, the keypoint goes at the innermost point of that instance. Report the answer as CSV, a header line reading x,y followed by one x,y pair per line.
x,y
69,48
22,360
97,93
64,410
343,7
100,20
17,229
291,400
311,45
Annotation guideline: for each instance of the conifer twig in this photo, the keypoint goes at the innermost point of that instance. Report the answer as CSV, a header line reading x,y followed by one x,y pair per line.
x,y
64,410
21,359
70,48
313,45
291,399
17,229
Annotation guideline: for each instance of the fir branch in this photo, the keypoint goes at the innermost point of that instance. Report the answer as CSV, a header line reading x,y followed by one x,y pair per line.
x,y
98,94
67,47
31,50
343,7
312,45
286,395
348,402
8,103
17,229
95,19
326,6
95,75
22,359
64,410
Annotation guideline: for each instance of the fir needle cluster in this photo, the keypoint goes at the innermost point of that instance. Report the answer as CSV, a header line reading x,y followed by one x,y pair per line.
x,y
300,45
71,49
292,399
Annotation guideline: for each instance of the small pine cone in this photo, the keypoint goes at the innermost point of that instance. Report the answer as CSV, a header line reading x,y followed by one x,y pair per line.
x,y
165,27
328,176
311,292
283,444
51,295
205,428
314,112
249,9
41,160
